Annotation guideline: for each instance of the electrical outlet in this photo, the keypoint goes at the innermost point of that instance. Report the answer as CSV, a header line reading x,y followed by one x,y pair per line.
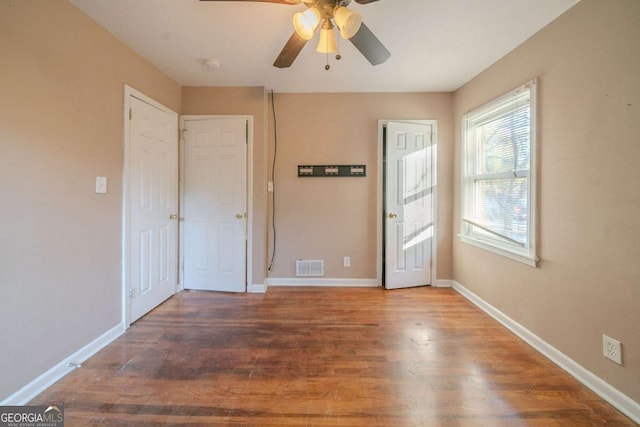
x,y
612,349
346,261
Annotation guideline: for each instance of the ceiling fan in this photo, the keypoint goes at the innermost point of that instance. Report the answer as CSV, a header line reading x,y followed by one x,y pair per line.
x,y
324,13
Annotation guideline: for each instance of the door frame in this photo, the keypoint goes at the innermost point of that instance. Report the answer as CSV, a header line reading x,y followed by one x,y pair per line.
x,y
248,193
380,201
130,92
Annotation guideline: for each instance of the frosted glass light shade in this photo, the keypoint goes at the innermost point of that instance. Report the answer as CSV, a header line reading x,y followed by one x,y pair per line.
x,y
327,43
305,23
347,21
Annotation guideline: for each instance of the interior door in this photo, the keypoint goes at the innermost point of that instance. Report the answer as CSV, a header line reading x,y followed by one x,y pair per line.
x,y
409,227
152,192
214,219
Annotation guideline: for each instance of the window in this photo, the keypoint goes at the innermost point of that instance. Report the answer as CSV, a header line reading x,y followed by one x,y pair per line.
x,y
498,175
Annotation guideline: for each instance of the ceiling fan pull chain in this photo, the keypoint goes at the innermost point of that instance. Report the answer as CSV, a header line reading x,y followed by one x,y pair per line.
x,y
327,67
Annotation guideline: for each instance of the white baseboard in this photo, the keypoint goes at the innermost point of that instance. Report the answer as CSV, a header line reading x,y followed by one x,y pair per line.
x,y
308,281
48,378
621,401
258,288
442,283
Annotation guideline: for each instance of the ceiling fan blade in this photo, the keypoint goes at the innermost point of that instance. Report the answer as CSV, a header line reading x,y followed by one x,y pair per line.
x,y
290,51
365,1
369,46
266,1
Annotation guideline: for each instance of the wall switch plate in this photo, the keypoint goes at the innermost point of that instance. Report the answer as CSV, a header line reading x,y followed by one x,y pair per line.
x,y
612,349
101,185
346,261
270,186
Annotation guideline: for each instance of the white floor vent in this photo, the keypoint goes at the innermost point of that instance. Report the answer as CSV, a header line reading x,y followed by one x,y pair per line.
x,y
309,267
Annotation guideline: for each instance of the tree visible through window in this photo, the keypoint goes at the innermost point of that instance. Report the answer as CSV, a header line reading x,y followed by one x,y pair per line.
x,y
498,162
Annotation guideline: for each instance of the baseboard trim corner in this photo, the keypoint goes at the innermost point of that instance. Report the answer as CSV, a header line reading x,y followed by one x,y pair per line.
x,y
56,372
615,397
258,288
442,283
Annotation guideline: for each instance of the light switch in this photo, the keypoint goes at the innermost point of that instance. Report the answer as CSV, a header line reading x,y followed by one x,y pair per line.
x,y
101,185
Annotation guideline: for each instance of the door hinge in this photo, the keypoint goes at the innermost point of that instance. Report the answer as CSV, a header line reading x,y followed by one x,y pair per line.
x,y
246,132
130,293
183,131
130,114
182,265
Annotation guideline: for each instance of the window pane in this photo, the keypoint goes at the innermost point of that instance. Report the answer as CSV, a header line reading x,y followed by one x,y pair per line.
x,y
498,197
503,142
501,205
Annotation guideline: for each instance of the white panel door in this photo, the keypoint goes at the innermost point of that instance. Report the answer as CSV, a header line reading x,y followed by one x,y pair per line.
x,y
408,205
214,212
152,204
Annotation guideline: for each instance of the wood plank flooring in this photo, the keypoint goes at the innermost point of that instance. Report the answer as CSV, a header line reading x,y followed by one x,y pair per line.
x,y
323,357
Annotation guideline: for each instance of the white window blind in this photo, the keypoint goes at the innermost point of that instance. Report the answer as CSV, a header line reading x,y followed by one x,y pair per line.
x,y
498,175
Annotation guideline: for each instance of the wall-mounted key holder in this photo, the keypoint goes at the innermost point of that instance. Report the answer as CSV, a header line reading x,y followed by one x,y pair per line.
x,y
331,170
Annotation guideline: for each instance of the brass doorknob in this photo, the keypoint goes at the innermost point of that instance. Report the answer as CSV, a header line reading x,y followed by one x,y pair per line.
x,y
173,216
239,215
392,215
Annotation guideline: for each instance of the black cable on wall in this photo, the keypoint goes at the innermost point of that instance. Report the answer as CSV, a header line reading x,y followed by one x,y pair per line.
x,y
273,179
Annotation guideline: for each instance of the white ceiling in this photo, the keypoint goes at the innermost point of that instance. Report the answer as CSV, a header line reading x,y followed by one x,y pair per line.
x,y
436,45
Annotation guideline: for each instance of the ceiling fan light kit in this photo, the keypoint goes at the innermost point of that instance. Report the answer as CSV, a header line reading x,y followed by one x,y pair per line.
x,y
305,23
347,21
349,24
327,42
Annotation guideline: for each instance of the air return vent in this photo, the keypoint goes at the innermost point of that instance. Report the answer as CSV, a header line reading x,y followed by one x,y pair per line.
x,y
309,267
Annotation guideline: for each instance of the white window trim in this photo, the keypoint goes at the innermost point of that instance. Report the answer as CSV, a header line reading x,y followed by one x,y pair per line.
x,y
526,255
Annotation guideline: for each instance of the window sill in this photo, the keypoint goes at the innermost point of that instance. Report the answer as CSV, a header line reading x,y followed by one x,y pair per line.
x,y
525,259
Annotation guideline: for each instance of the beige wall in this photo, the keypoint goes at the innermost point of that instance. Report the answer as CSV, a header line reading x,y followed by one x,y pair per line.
x,y
329,218
588,282
61,108
241,101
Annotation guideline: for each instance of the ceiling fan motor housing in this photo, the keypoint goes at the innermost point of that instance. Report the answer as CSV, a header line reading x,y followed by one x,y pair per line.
x,y
327,7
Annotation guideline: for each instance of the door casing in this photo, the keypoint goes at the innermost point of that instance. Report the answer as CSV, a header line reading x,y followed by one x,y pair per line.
x,y
380,197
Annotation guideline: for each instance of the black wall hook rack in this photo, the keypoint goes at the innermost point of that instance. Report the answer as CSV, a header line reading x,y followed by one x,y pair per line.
x,y
332,170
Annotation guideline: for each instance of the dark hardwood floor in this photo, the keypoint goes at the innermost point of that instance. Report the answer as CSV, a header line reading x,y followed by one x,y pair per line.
x,y
324,357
